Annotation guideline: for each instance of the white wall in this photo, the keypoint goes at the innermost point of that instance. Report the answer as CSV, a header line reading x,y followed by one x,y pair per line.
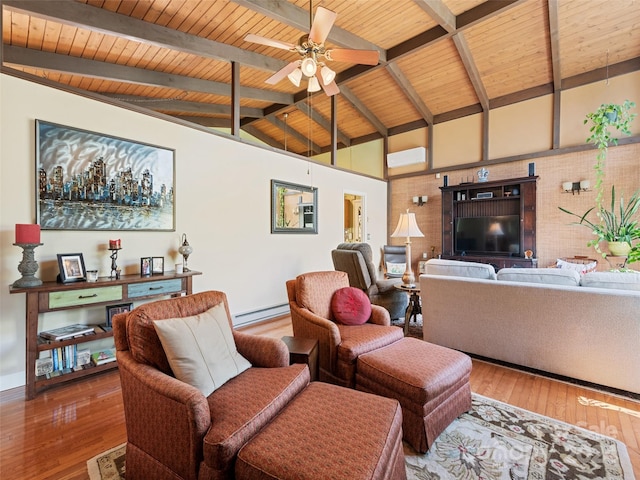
x,y
223,205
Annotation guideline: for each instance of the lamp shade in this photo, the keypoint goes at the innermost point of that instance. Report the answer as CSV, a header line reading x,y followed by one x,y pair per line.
x,y
308,67
327,75
313,85
295,77
407,226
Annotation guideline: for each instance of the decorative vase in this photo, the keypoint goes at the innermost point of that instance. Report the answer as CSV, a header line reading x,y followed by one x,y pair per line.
x,y
612,116
619,249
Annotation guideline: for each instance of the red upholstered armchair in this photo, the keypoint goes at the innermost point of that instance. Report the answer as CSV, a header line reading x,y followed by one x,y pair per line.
x,y
173,430
339,345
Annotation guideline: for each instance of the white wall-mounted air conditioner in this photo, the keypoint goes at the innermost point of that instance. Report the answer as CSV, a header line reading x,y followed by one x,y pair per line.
x,y
407,157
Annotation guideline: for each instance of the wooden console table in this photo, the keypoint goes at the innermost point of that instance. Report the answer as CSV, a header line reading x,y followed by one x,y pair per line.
x,y
53,296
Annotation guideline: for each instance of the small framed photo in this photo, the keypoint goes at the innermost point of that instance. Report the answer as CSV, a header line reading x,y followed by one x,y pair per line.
x,y
157,265
115,309
71,267
145,266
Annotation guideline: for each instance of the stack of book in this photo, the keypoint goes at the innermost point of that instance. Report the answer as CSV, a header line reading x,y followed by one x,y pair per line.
x,y
63,360
70,331
103,356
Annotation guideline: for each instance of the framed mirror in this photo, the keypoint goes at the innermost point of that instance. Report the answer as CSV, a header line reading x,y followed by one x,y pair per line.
x,y
294,208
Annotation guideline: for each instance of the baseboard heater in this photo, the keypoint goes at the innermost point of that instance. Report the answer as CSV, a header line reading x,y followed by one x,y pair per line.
x,y
247,318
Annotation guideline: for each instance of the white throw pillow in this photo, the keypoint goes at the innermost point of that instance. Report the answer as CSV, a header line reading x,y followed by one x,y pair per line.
x,y
201,350
396,268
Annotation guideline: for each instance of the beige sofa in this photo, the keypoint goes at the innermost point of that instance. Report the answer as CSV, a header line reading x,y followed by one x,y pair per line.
x,y
538,318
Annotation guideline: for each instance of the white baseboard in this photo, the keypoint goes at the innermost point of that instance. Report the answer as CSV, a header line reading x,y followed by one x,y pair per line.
x,y
7,382
247,318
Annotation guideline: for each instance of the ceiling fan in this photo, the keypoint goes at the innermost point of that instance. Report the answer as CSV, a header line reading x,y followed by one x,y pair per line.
x,y
313,55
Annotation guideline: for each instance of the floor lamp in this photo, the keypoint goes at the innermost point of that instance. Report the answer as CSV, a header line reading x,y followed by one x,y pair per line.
x,y
407,227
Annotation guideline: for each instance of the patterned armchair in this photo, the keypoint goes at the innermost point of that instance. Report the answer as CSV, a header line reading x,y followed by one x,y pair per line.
x,y
173,430
357,260
339,345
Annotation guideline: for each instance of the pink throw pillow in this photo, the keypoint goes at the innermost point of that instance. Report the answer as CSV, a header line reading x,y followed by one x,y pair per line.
x,y
351,306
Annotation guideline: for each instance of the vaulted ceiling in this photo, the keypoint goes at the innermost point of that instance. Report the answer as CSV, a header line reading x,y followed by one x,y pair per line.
x,y
439,59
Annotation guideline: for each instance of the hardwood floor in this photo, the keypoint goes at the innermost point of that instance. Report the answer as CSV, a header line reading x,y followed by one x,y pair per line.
x,y
52,436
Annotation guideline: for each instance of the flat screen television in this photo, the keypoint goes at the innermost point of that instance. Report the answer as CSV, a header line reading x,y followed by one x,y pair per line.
x,y
495,235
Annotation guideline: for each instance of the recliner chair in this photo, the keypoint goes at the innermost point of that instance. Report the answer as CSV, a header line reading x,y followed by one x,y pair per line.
x,y
356,259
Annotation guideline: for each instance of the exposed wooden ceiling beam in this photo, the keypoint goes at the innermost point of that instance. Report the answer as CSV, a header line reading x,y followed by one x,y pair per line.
x,y
554,40
27,57
296,17
96,19
182,106
472,70
250,129
628,66
294,133
212,122
410,92
322,121
364,111
439,12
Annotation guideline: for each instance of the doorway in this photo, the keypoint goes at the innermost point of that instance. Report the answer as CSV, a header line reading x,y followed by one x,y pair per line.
x,y
354,215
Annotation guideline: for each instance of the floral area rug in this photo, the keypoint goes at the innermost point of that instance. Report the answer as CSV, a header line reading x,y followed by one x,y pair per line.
x,y
498,441
415,326
493,441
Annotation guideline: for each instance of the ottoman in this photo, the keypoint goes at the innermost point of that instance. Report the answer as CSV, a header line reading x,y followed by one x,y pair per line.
x,y
430,382
328,432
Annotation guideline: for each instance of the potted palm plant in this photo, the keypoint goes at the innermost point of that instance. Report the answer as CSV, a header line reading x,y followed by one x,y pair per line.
x,y
619,226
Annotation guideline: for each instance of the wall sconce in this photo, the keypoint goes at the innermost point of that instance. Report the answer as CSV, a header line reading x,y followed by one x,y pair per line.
x,y
573,187
420,201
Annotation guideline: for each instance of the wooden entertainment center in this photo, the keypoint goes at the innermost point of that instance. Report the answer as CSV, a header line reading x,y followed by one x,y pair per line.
x,y
516,196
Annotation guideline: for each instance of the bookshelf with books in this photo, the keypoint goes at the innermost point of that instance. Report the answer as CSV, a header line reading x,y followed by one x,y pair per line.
x,y
57,297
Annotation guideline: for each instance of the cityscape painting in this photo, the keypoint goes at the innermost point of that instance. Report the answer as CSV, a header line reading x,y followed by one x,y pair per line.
x,y
90,181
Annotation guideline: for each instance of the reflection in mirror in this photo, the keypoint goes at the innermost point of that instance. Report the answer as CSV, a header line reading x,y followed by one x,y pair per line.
x,y
294,208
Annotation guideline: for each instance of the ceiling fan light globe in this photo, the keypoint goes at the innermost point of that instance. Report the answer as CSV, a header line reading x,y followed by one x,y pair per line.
x,y
328,75
295,77
309,67
314,85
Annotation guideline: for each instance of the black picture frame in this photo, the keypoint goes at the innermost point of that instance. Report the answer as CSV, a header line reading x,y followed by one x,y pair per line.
x,y
102,182
115,309
145,266
157,265
71,267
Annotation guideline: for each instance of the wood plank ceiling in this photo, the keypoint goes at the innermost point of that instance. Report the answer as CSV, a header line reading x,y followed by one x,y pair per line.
x,y
439,59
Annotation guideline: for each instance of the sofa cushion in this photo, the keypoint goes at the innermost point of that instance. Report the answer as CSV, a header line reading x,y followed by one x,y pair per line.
x,y
201,349
616,280
350,306
548,276
456,268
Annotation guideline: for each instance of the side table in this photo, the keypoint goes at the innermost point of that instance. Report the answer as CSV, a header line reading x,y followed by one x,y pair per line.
x,y
413,309
303,350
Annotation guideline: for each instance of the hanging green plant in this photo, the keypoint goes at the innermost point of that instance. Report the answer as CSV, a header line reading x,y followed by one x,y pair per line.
x,y
618,225
608,118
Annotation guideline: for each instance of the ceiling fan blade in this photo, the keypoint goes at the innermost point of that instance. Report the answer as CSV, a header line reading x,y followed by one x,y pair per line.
x,y
283,72
322,23
364,57
331,89
269,42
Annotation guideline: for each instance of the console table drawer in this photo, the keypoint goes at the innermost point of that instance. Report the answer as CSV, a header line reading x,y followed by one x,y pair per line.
x,y
86,296
154,288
